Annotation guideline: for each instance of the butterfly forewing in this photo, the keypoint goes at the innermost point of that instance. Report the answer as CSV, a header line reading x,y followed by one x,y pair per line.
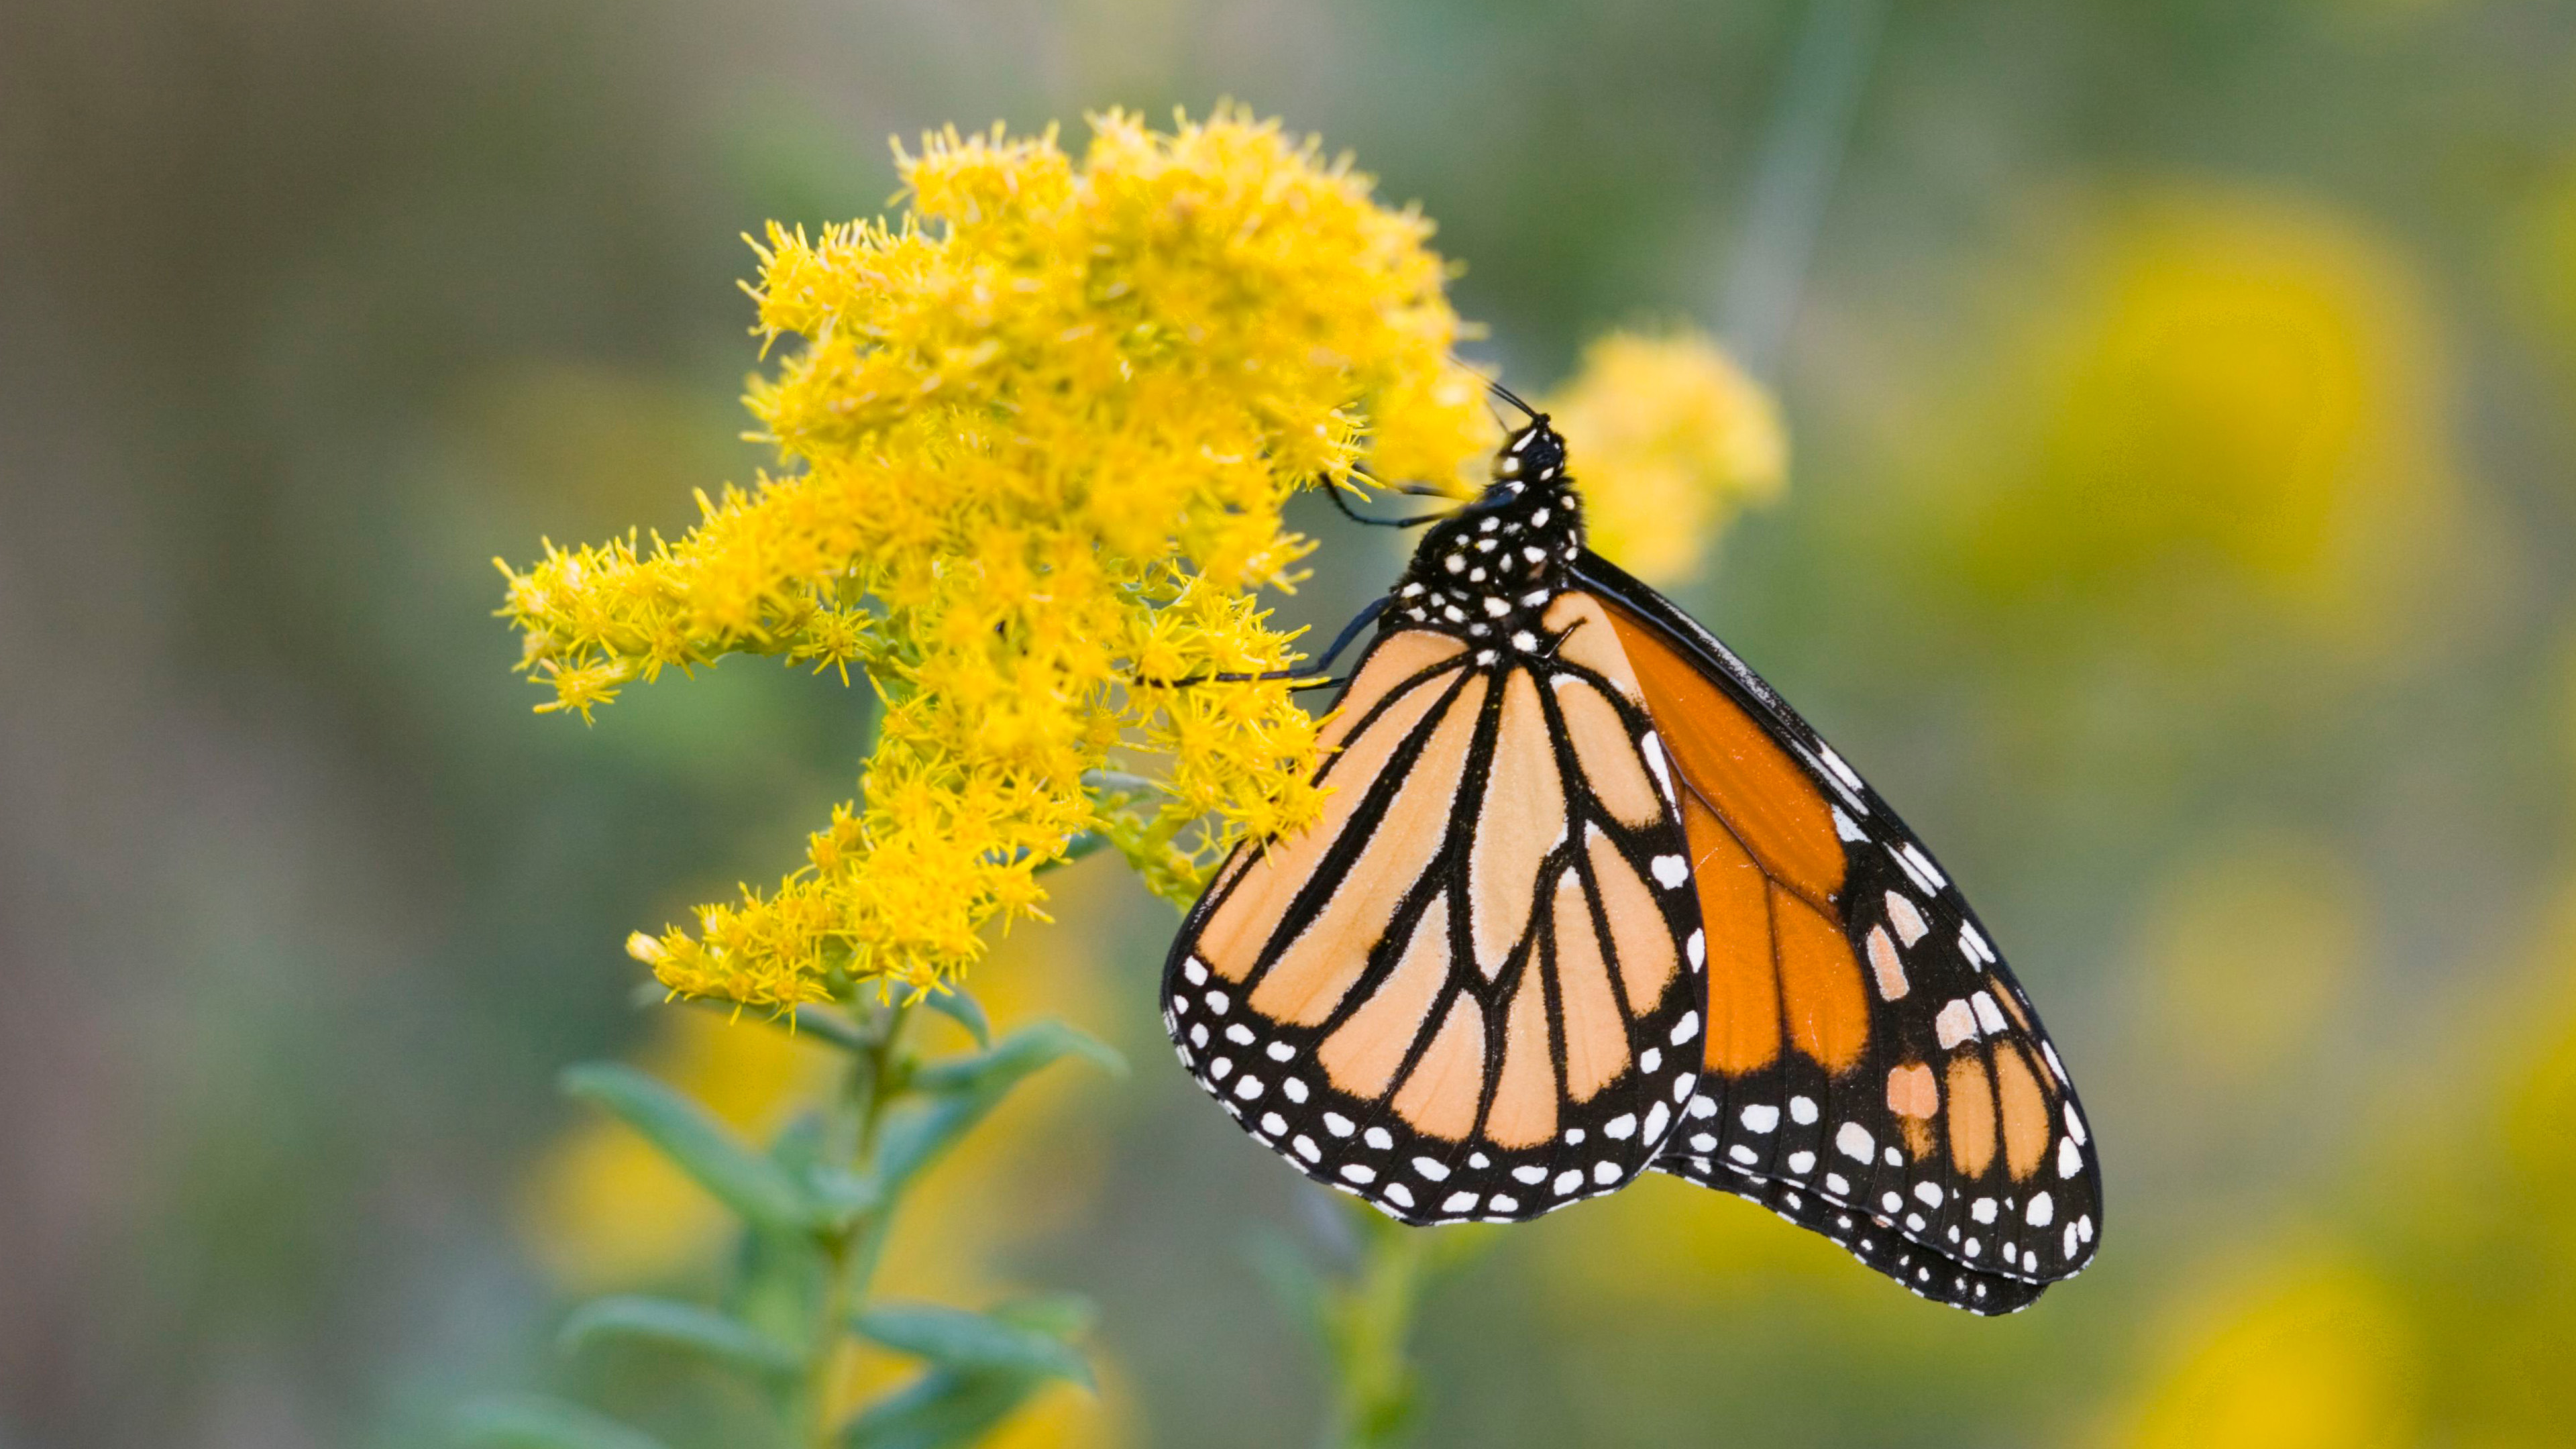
x,y
1470,991
1873,1071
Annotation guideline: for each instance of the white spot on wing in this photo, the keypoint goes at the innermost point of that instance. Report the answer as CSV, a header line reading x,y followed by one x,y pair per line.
x,y
1653,750
1908,921
1855,1141
1885,966
1913,872
1835,763
1989,1016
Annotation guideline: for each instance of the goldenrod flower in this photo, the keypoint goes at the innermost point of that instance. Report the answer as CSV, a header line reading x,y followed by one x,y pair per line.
x,y
1670,439
1038,432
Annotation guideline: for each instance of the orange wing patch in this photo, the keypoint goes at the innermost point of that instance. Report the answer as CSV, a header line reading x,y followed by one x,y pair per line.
x,y
1972,1116
1325,961
1522,818
1596,1040
1524,1110
1743,975
1638,935
1820,990
1400,658
1232,941
1441,1096
1768,867
1610,764
1753,784
1362,1055
2025,1110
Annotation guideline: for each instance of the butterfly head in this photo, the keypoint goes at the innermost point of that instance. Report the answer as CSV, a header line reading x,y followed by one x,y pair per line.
x,y
1533,454
1493,566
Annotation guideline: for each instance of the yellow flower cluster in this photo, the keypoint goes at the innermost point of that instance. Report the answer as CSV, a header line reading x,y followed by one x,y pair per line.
x,y
1038,433
1669,438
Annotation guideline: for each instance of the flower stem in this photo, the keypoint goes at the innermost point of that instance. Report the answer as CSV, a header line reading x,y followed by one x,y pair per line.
x,y
1369,1319
850,1251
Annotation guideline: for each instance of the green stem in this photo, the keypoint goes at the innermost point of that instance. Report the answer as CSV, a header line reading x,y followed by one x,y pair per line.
x,y
1372,1317
851,1120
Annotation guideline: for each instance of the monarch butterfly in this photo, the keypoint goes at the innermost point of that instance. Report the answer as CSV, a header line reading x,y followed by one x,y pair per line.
x,y
1588,898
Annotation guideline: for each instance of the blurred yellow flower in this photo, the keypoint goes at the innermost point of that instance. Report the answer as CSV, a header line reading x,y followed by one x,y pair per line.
x,y
2228,408
2246,953
1040,429
1670,439
2313,1356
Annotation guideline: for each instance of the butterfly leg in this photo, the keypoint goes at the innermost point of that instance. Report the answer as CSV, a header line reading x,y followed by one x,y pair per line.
x,y
1341,641
1355,516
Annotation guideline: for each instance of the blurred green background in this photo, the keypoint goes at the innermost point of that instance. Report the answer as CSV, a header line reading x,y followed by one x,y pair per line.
x,y
2183,409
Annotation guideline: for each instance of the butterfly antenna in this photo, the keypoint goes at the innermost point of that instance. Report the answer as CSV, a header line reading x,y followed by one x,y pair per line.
x,y
1509,396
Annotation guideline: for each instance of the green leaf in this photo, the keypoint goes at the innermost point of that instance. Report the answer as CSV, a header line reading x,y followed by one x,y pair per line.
x,y
530,1421
1019,1054
1063,1315
682,1326
943,1409
961,1091
964,1010
753,1185
844,1196
954,1338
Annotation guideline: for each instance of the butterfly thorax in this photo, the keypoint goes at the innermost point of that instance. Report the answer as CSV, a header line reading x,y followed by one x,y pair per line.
x,y
1488,572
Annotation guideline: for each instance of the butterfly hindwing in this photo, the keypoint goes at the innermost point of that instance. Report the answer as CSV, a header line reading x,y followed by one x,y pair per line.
x,y
1868,1053
1470,991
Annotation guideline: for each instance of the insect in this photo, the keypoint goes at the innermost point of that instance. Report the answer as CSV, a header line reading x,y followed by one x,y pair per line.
x,y
1589,898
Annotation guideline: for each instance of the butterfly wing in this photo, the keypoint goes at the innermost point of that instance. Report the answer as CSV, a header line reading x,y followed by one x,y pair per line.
x,y
1873,1071
1469,991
